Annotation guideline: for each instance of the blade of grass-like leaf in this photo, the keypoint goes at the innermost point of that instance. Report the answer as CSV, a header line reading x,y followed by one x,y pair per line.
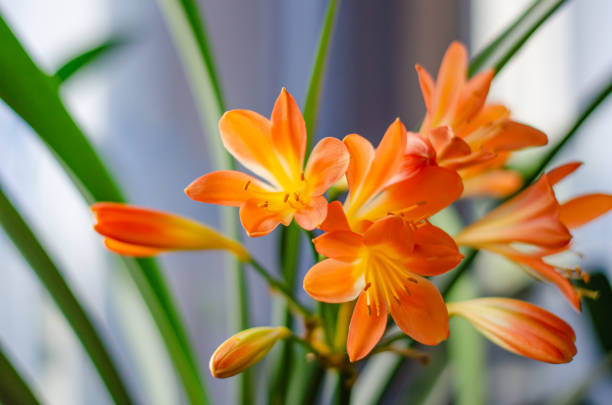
x,y
190,38
598,310
34,96
499,52
318,69
14,389
77,62
51,277
466,353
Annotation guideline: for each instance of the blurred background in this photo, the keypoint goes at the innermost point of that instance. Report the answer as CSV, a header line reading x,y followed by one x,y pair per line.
x,y
136,107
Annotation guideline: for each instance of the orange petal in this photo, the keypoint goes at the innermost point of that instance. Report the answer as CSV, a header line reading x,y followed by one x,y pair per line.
x,y
435,252
494,183
127,249
427,87
226,187
312,216
514,136
361,154
421,312
584,209
288,131
156,230
335,219
478,128
392,235
387,159
339,245
559,173
419,154
520,327
327,164
258,220
473,96
451,79
447,145
366,328
333,281
420,196
246,135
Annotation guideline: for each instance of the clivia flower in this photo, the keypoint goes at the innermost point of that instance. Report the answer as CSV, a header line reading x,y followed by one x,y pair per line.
x,y
536,219
519,327
465,133
383,269
245,349
141,232
274,150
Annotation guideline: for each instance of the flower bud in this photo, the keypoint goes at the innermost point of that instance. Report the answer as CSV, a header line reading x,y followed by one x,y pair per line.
x,y
141,232
520,327
244,349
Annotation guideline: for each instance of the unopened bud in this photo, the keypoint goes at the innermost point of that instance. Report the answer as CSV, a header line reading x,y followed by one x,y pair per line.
x,y
245,349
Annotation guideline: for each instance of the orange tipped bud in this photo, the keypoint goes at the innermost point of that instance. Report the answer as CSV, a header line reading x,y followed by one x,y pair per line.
x,y
520,327
141,232
244,349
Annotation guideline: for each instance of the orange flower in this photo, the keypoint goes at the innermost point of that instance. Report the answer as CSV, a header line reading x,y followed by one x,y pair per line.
x,y
141,232
535,218
382,182
520,327
274,150
245,349
465,133
384,268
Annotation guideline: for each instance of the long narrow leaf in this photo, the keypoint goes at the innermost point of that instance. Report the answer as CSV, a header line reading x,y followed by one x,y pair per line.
x,y
34,96
51,277
318,71
191,41
499,52
14,389
78,62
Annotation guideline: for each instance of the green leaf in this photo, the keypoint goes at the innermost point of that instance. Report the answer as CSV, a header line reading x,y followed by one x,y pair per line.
x,y
51,277
14,390
318,69
599,310
78,62
34,96
499,52
466,352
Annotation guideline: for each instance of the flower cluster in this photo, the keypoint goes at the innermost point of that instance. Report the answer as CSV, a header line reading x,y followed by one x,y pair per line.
x,y
378,246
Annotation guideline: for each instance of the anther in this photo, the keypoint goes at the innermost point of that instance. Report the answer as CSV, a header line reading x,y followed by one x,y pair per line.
x,y
413,280
286,198
368,285
297,196
246,186
302,176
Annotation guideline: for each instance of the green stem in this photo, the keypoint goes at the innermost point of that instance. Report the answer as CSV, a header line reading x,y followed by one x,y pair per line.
x,y
14,390
282,289
51,277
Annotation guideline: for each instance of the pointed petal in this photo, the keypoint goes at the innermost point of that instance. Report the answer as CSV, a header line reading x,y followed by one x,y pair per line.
x,y
421,312
246,135
473,96
258,221
559,173
435,252
420,196
428,87
333,281
339,245
494,183
451,79
584,209
226,187
366,329
513,135
387,159
327,164
392,235
361,154
447,145
127,249
312,216
335,219
288,131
